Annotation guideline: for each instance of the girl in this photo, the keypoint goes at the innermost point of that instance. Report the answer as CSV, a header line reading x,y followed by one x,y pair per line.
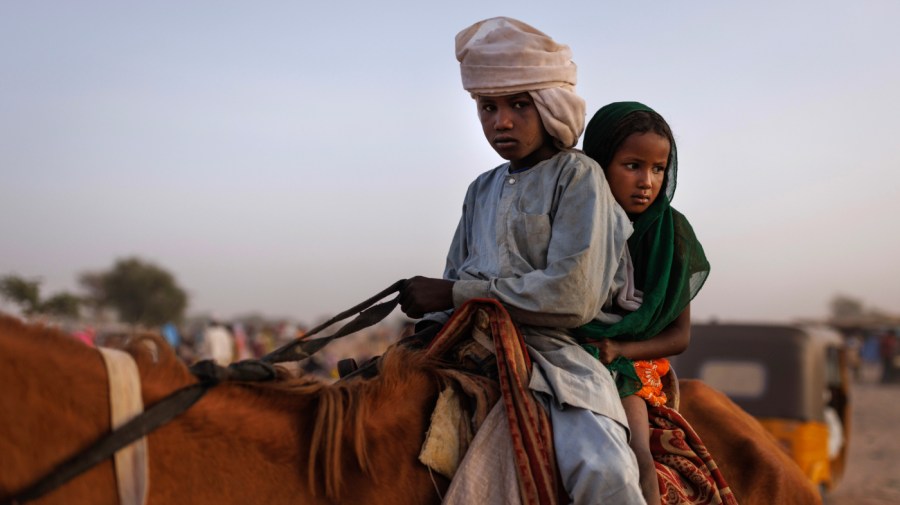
x,y
635,147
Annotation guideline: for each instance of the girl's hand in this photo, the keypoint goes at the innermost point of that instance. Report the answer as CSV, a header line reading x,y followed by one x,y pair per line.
x,y
609,350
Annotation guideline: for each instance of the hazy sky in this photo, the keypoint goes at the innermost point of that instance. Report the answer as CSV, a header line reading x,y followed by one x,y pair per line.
x,y
293,158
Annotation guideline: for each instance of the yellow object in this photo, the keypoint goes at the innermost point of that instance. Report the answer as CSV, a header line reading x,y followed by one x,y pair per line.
x,y
807,443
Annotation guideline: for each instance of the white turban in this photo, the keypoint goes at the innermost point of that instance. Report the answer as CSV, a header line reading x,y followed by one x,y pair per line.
x,y
504,56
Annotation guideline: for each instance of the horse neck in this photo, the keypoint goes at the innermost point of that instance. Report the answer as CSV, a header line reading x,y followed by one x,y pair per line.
x,y
54,403
236,444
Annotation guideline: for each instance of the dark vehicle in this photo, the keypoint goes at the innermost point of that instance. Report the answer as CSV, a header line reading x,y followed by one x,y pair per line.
x,y
792,378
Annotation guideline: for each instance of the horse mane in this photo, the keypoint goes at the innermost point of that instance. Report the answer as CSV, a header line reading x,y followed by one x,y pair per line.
x,y
343,408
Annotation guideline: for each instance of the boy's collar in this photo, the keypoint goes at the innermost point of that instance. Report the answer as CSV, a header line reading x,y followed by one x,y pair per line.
x,y
510,170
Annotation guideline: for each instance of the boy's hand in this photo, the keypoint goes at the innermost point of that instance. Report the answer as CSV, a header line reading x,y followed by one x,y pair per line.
x,y
421,295
609,350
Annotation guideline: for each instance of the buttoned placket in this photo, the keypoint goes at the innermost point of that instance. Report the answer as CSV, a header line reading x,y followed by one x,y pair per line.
x,y
508,198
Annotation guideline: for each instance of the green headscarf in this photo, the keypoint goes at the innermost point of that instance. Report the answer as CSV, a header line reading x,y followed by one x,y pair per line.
x,y
669,264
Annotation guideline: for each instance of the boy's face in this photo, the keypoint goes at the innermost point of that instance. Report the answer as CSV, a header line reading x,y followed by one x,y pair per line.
x,y
637,171
513,127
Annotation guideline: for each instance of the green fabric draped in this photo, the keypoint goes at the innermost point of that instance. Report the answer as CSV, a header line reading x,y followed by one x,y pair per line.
x,y
670,266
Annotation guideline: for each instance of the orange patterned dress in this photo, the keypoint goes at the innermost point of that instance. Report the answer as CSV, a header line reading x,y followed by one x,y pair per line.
x,y
650,372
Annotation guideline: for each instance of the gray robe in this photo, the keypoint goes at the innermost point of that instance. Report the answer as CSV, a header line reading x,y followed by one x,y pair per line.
x,y
550,243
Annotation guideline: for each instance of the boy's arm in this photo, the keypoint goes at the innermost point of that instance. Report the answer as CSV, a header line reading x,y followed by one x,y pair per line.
x,y
672,340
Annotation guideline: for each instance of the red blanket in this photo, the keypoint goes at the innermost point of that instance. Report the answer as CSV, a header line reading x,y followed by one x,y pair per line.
x,y
686,471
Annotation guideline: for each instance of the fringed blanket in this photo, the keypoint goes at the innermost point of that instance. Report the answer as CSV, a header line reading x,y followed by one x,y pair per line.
x,y
686,471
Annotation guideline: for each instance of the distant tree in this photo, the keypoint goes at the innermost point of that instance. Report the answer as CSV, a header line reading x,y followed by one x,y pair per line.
x,y
92,284
27,295
846,308
62,304
139,291
22,292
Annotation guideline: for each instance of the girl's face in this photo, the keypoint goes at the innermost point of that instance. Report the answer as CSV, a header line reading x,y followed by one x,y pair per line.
x,y
637,170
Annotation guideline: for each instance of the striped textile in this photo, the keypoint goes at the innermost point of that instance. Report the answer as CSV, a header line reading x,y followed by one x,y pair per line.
x,y
529,424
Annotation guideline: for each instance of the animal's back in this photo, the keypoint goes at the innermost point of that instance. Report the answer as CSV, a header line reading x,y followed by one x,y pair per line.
x,y
241,443
758,471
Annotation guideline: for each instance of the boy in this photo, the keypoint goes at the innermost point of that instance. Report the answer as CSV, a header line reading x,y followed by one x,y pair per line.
x,y
543,235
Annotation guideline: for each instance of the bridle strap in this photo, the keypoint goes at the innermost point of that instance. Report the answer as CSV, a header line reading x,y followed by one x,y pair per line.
x,y
125,403
369,314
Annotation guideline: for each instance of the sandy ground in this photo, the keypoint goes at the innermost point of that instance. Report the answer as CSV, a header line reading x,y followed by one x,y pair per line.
x,y
873,468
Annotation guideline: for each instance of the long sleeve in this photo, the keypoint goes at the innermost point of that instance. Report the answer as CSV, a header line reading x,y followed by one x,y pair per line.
x,y
549,242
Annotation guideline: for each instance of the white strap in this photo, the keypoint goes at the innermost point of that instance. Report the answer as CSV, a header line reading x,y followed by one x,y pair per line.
x,y
125,402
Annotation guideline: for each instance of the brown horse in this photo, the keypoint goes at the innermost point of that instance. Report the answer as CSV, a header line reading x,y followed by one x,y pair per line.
x,y
758,469
295,440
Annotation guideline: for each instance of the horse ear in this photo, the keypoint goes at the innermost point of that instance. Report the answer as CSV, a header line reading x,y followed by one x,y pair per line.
x,y
152,347
145,345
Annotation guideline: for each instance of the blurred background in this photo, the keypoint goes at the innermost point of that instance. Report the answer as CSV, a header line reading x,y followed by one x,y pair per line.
x,y
293,158
260,167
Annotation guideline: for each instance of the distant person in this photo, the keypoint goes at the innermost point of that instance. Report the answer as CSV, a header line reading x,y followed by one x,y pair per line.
x,y
264,341
636,150
187,349
871,352
888,351
87,335
854,344
542,234
218,344
170,333
242,346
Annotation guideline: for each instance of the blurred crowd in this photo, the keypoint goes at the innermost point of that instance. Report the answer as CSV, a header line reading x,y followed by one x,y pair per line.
x,y
878,348
229,341
875,350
